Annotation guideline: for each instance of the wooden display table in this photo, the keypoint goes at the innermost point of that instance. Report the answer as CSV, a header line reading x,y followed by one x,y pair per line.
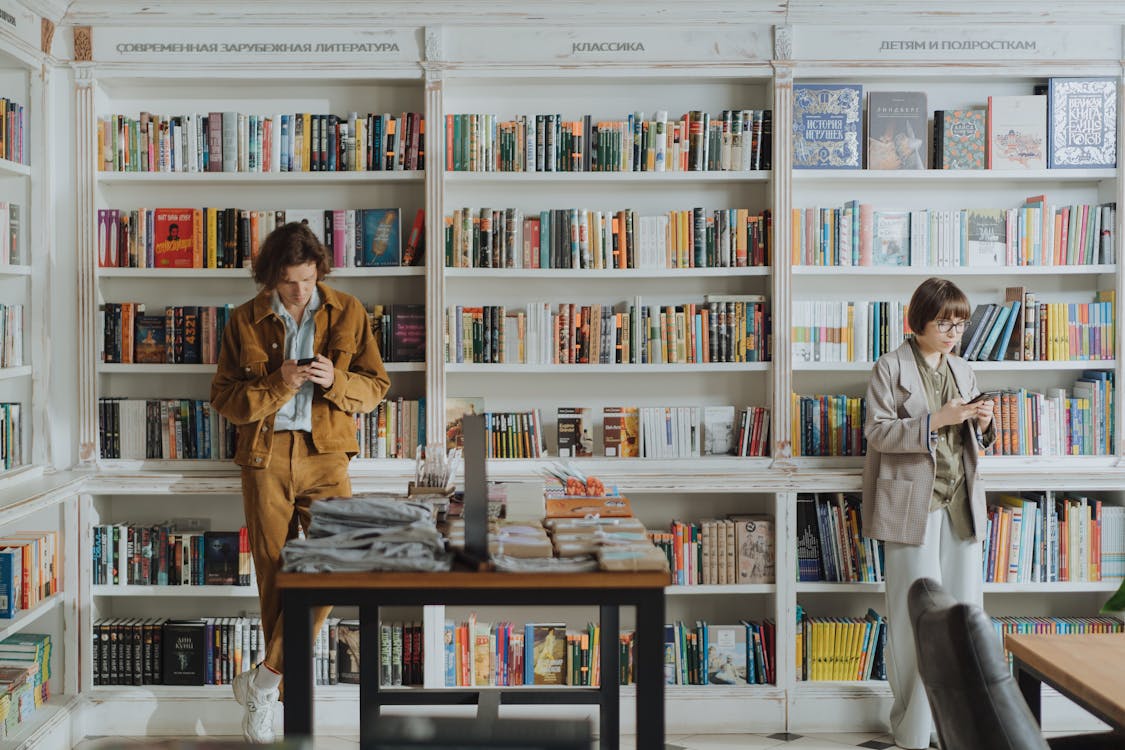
x,y
301,592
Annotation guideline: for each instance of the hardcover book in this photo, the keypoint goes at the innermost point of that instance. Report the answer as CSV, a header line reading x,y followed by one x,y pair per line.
x,y
148,339
184,648
891,240
455,410
959,138
1082,117
347,645
414,254
827,123
546,653
718,430
726,654
408,333
220,558
896,130
755,550
575,432
621,425
173,233
1017,132
381,237
985,236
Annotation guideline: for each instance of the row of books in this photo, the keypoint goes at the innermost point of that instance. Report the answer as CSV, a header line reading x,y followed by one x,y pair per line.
x,y
11,242
830,541
162,651
1035,234
722,328
29,569
13,125
735,550
394,430
1045,536
513,434
578,238
1078,129
127,554
664,432
1051,625
1023,328
1055,423
400,331
11,335
834,331
188,334
137,429
501,654
742,654
241,142
736,140
828,425
11,435
212,237
841,648
24,679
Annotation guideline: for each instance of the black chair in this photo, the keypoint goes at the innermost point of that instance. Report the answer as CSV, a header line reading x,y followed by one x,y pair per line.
x,y
975,701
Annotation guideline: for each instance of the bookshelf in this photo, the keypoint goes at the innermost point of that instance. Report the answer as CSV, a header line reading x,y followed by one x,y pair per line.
x,y
481,69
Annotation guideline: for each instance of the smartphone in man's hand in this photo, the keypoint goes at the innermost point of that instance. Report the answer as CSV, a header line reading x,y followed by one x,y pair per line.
x,y
305,361
979,397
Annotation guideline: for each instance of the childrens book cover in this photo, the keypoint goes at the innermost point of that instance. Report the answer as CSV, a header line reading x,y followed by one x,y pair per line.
x,y
381,237
173,237
960,135
220,558
896,130
547,653
985,236
1017,132
827,123
754,557
726,654
891,241
456,407
148,339
575,432
1082,119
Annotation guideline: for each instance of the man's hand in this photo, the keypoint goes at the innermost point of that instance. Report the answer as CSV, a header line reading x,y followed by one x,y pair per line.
x,y
322,372
295,375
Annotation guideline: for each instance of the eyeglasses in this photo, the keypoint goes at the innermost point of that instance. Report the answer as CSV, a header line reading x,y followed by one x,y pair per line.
x,y
945,326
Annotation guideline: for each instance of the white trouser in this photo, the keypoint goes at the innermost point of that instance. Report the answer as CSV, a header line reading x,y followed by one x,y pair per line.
x,y
954,563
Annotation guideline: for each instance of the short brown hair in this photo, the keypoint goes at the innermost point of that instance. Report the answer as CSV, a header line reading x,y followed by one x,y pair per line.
x,y
292,244
935,299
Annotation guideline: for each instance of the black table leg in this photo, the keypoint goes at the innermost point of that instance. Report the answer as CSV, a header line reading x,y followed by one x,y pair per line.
x,y
1030,686
370,661
649,669
296,648
610,711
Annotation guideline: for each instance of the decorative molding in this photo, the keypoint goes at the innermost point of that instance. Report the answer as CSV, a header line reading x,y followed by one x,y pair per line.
x,y
53,10
83,44
434,44
47,32
783,42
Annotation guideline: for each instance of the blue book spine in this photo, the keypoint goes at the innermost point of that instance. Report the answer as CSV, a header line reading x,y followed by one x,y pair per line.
x,y
450,654
10,572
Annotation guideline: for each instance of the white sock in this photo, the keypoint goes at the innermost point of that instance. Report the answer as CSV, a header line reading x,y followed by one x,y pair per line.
x,y
265,678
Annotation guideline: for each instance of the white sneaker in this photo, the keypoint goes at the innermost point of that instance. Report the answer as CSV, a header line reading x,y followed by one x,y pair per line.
x,y
257,723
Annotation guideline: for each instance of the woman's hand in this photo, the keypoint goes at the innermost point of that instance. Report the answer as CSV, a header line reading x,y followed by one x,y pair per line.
x,y
954,412
983,414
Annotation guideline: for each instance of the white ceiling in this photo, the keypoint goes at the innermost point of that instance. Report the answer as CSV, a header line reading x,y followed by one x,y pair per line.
x,y
492,12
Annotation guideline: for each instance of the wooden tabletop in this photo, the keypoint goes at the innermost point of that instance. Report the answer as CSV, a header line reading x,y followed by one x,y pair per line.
x,y
474,580
1089,667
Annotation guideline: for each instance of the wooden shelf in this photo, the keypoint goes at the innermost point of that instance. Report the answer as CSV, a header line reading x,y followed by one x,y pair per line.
x,y
199,592
10,168
710,590
620,274
146,369
1047,365
606,178
824,587
257,178
56,710
243,274
927,271
25,617
9,373
14,270
1108,586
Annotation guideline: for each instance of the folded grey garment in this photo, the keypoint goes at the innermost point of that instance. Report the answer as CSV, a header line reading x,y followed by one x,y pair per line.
x,y
327,527
579,564
369,510
357,552
421,532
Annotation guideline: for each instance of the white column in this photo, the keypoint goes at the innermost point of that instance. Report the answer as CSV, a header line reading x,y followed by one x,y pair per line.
x,y
782,293
435,239
85,152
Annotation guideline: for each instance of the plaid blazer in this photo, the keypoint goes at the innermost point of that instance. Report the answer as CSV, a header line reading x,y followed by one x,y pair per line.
x,y
898,473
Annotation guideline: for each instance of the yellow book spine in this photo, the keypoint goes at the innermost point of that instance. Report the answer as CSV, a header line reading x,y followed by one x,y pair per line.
x,y
212,254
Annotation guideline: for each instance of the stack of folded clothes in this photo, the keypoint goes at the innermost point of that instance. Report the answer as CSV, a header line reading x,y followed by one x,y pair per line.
x,y
365,533
620,544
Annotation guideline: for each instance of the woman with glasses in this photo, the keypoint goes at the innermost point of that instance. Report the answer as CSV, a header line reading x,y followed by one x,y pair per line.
x,y
925,428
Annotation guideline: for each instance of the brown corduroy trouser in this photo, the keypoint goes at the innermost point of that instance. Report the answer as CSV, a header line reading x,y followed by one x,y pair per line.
x,y
274,500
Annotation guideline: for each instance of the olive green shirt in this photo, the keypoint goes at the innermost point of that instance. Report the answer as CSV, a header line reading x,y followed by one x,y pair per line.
x,y
950,490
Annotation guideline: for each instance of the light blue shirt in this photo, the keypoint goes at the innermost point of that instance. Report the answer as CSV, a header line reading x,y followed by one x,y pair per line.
x,y
296,414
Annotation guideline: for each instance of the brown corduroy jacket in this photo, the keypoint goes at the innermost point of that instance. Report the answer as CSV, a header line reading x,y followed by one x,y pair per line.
x,y
248,389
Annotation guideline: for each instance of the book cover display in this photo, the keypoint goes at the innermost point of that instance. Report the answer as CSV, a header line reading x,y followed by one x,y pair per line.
x,y
959,138
827,123
1017,132
382,237
896,130
173,237
1083,122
